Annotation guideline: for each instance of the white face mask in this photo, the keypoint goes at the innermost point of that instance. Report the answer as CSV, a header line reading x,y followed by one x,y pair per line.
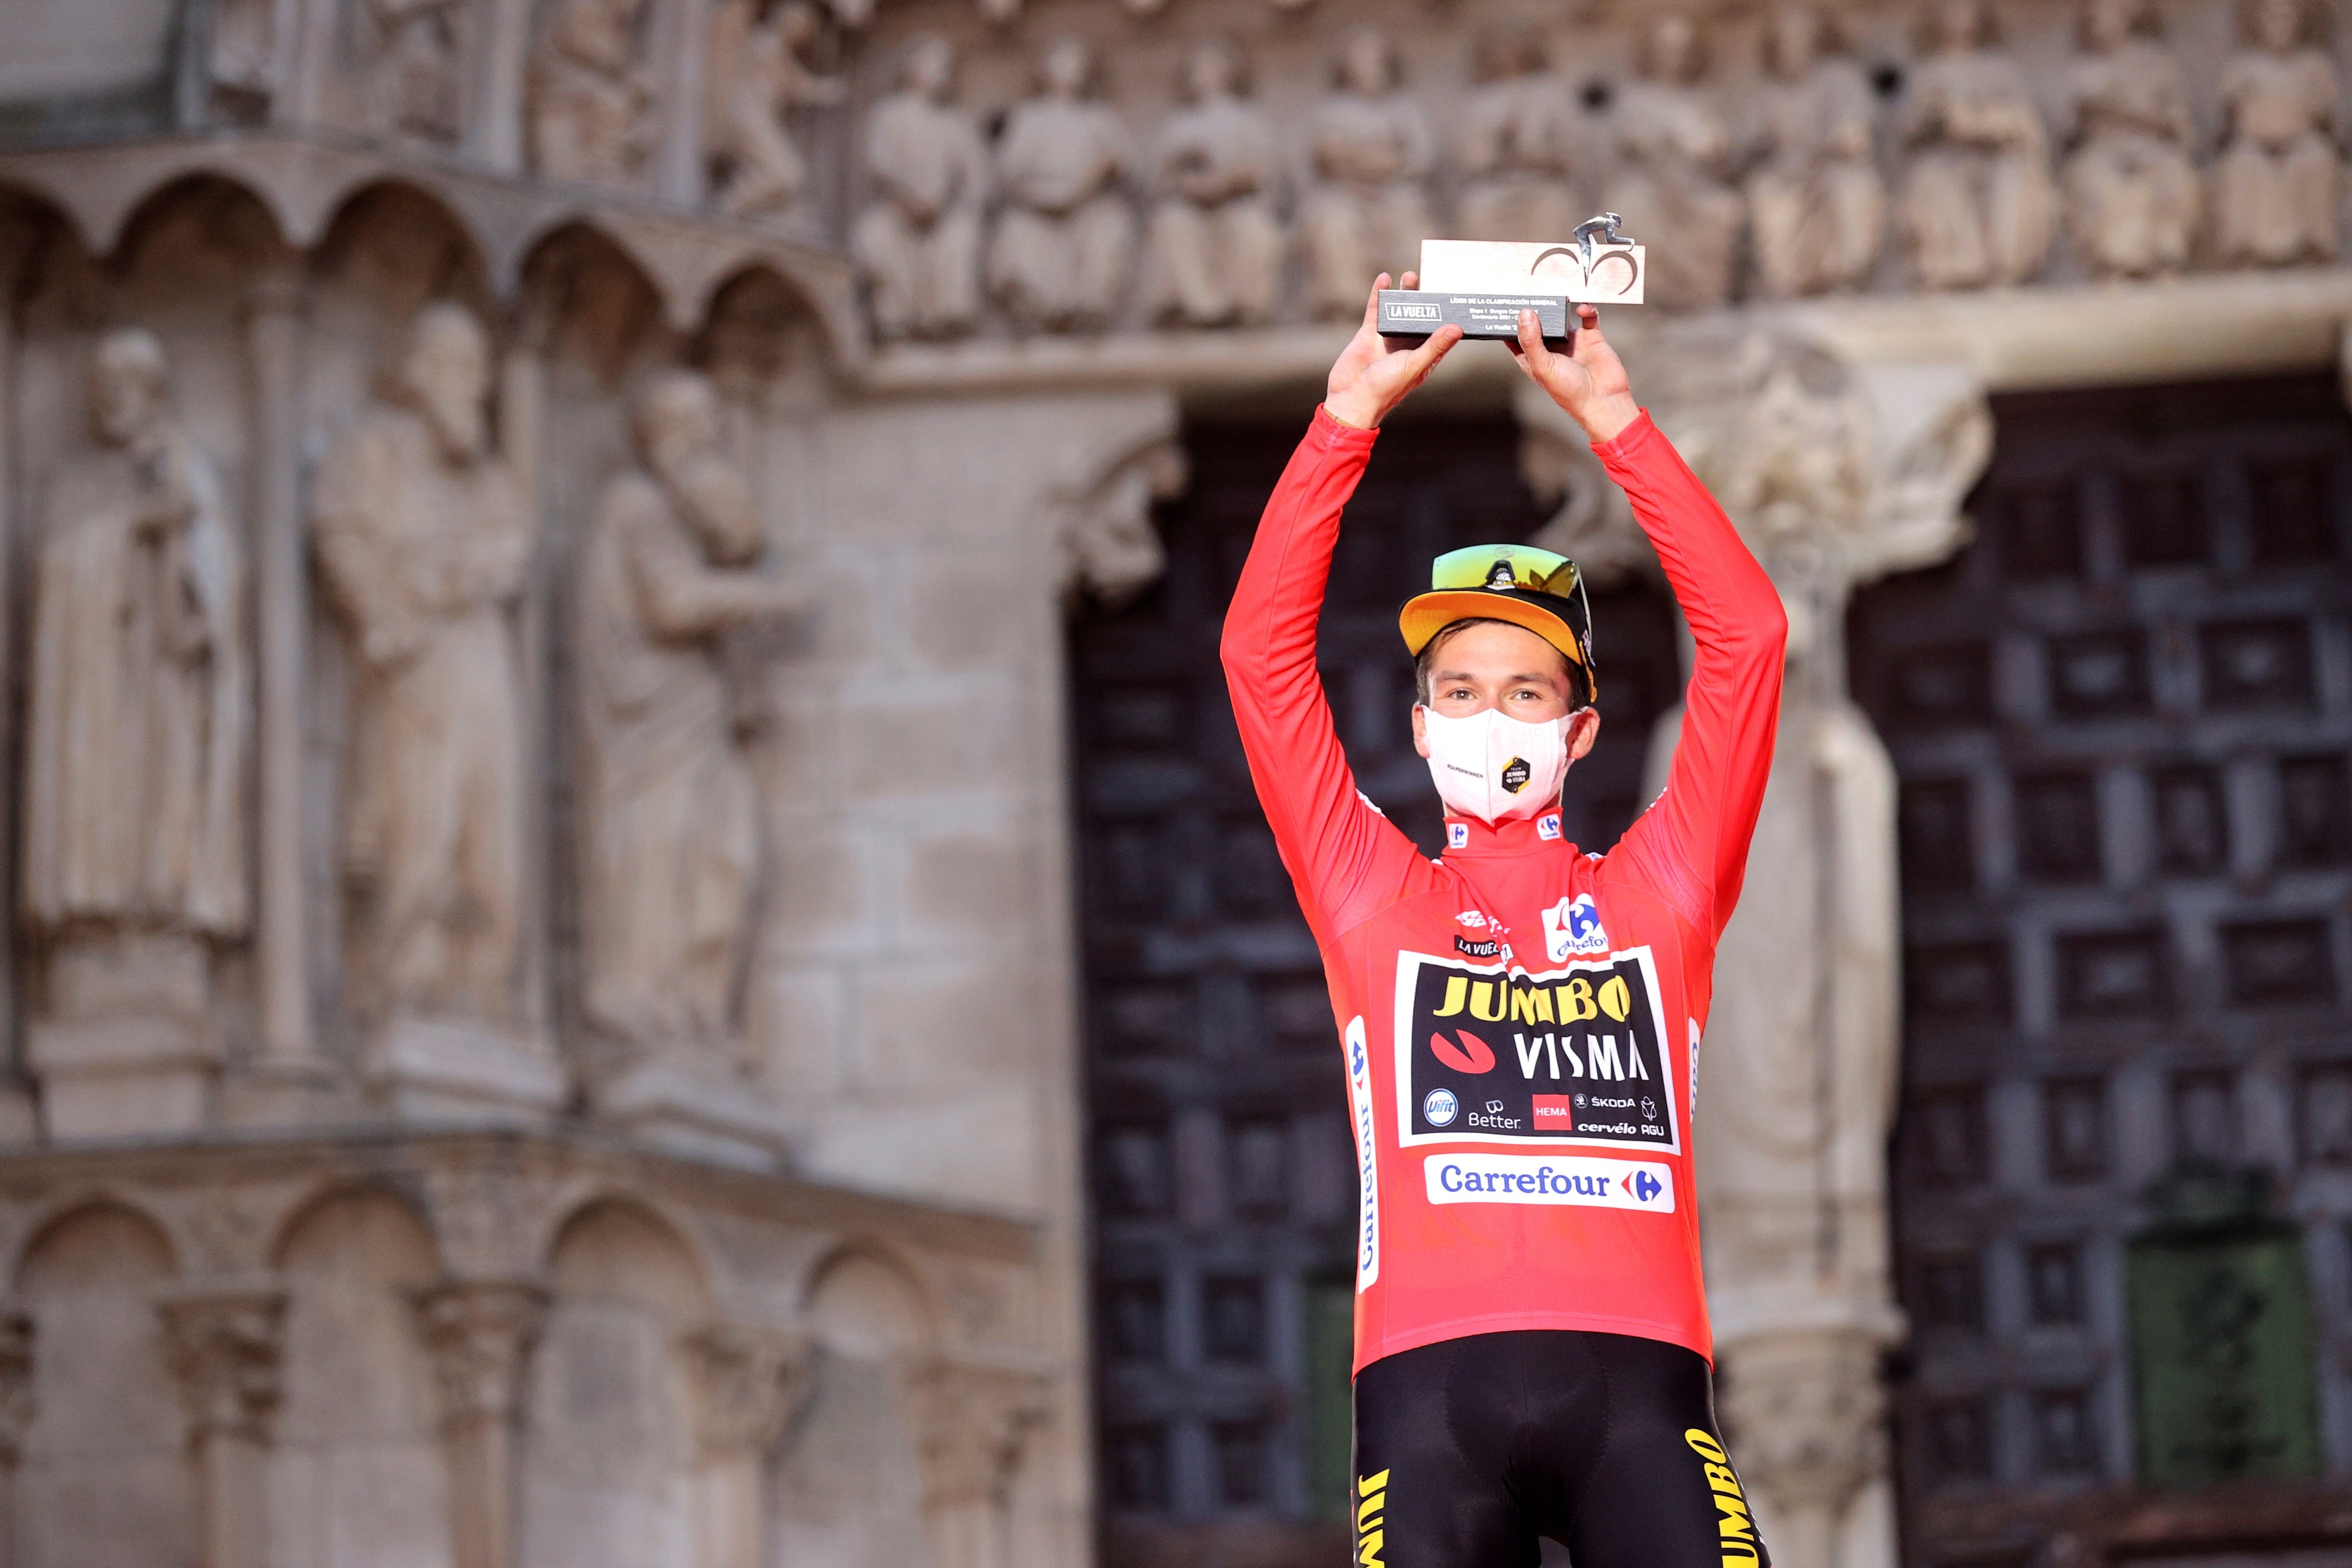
x,y
1495,767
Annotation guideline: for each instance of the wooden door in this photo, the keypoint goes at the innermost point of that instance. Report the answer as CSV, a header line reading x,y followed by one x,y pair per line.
x,y
2122,721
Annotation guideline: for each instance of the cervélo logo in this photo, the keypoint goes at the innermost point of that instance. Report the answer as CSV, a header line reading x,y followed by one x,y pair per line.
x,y
1575,1055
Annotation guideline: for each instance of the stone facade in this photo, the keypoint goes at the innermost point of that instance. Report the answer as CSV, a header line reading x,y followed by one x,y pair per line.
x,y
542,441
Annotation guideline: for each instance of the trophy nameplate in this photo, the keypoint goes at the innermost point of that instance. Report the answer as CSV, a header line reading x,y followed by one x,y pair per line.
x,y
1481,286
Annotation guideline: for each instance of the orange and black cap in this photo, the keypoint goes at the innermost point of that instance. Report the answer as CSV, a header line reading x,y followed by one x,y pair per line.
x,y
1514,583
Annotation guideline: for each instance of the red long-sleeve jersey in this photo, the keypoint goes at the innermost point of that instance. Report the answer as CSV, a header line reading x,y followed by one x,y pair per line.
x,y
1520,1021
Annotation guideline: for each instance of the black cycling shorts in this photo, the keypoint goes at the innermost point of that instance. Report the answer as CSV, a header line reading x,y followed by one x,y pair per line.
x,y
1469,1451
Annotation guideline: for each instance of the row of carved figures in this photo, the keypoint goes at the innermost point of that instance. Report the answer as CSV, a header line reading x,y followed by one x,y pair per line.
x,y
1044,225
138,757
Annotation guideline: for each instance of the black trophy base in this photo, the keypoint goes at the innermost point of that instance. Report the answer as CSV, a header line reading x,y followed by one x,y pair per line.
x,y
1417,312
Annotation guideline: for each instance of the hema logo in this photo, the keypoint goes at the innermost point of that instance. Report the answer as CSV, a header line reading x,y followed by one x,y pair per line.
x,y
1549,1179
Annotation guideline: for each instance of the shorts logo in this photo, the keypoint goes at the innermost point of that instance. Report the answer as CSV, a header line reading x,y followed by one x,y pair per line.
x,y
1441,1107
1572,927
1582,1181
1371,1510
1547,827
1367,1171
1457,835
1738,1542
1515,774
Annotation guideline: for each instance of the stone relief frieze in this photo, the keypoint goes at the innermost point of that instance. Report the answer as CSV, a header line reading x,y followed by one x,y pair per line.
x,y
591,100
757,74
1064,239
1676,154
1518,142
1213,251
1370,148
1978,205
917,240
2280,171
2133,198
407,54
1816,203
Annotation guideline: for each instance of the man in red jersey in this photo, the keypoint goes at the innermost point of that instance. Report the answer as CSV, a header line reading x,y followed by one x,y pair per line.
x,y
1520,1020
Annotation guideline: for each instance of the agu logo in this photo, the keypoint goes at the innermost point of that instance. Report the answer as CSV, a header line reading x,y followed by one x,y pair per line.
x,y
1441,1107
1573,926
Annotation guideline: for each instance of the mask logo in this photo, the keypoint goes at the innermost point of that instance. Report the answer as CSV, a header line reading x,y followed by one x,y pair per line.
x,y
1516,774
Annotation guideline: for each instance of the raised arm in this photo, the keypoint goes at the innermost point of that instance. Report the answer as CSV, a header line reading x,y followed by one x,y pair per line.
x,y
1692,843
1345,858
1691,846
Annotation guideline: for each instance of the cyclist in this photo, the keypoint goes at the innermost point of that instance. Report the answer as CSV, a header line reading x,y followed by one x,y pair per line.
x,y
1520,1020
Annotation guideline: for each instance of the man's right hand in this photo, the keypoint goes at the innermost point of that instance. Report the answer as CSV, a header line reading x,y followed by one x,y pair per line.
x,y
1373,374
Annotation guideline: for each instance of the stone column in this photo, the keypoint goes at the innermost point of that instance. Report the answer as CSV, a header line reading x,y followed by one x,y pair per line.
x,y
226,1343
679,175
496,135
1834,473
16,245
17,1408
274,322
751,1384
522,397
970,1422
480,1333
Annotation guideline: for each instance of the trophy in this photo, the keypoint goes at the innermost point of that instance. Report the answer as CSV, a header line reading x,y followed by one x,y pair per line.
x,y
1481,286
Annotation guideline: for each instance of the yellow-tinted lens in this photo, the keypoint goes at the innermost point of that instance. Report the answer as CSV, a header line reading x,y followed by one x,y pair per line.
x,y
1504,566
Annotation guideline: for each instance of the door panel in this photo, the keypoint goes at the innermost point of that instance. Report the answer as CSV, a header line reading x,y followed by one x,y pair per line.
x,y
2122,718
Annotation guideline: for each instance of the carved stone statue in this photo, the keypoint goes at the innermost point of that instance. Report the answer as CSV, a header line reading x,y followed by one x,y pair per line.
x,y
2277,179
919,241
424,536
1815,201
591,104
1515,145
413,65
1978,205
1065,239
242,58
670,831
1213,254
2132,195
1676,153
135,755
754,76
1369,148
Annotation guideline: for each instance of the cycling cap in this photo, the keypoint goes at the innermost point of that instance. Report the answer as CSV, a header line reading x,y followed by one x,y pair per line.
x,y
1514,582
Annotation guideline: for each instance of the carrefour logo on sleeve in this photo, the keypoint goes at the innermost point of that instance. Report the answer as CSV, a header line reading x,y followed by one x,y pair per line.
x,y
1367,1163
1549,1179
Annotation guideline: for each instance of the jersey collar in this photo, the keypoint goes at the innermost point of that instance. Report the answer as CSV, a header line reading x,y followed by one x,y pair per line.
x,y
1469,838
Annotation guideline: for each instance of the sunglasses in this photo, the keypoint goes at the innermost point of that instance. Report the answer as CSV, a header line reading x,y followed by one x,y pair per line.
x,y
1506,566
